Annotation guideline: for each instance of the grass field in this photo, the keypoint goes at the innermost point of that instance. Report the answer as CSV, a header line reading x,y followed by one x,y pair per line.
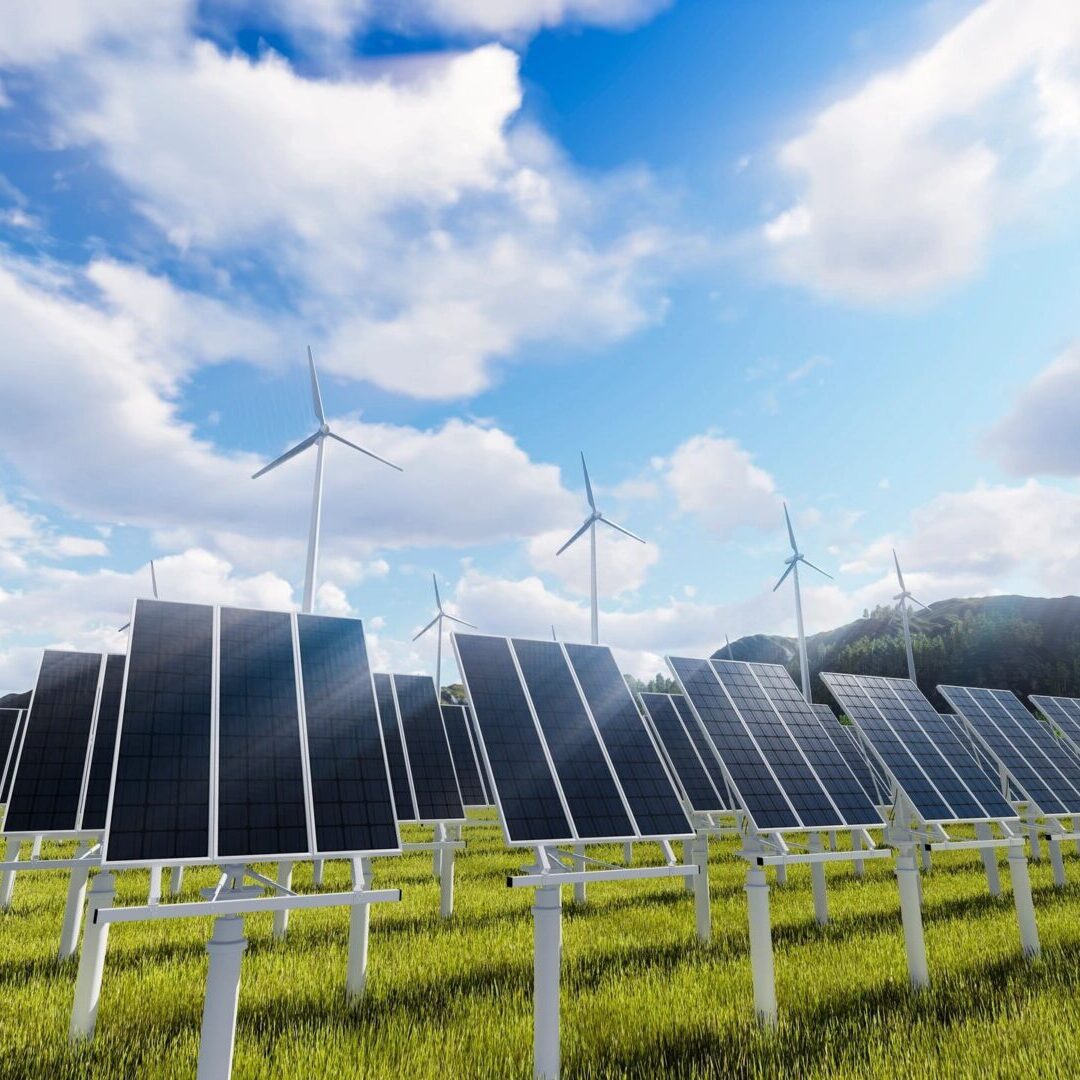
x,y
640,997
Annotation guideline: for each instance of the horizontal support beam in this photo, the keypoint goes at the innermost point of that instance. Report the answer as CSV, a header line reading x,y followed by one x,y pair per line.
x,y
759,859
51,864
436,845
197,909
572,877
976,845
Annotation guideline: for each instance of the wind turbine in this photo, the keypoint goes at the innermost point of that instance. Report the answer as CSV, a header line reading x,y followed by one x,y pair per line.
x,y
318,440
438,620
153,585
902,599
730,654
792,562
589,525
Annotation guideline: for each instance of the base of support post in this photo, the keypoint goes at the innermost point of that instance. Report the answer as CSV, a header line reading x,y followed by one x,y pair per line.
x,y
856,845
176,880
1025,907
226,948
547,971
580,895
7,877
359,933
281,918
92,960
907,878
73,909
446,884
817,872
700,884
761,956
989,858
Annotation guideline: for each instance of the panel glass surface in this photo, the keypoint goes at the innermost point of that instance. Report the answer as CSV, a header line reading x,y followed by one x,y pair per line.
x,y
456,722
685,763
704,750
755,788
1063,712
435,785
395,754
849,750
52,761
898,757
584,774
524,787
261,804
161,791
352,800
652,797
96,804
10,726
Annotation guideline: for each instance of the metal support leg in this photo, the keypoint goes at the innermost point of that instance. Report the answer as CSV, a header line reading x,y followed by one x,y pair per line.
x,y
628,852
761,956
832,839
1054,844
7,877
689,856
73,909
1025,908
281,918
989,858
154,895
547,964
1033,836
856,845
91,960
817,872
359,932
446,885
927,859
317,873
702,902
35,848
579,864
176,880
226,948
907,878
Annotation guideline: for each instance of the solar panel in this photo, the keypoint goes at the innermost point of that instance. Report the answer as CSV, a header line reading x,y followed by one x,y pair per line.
x,y
542,708
96,803
246,735
847,747
1063,713
50,770
1032,757
404,806
466,762
701,745
427,750
10,725
919,748
688,768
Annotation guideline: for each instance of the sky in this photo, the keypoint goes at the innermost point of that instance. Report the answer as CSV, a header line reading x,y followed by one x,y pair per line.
x,y
735,254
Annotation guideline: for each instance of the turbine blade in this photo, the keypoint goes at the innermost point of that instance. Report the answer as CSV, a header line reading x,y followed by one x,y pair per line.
x,y
588,486
553,637
585,525
427,628
153,579
619,528
316,396
790,567
123,628
438,601
919,602
817,568
730,654
299,448
790,530
899,576
454,618
342,439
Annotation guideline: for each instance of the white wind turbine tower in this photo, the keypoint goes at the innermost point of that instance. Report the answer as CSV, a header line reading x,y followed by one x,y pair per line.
x,y
589,525
792,562
153,585
437,622
902,599
318,440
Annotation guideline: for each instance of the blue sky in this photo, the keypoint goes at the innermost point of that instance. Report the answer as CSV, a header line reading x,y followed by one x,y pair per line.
x,y
735,253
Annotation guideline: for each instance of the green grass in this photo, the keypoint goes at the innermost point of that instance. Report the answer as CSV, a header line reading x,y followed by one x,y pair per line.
x,y
640,997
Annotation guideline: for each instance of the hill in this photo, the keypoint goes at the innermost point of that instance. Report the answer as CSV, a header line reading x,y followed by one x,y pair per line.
x,y
1021,643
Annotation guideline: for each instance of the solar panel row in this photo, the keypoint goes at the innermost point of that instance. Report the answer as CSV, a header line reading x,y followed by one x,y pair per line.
x,y
846,745
1063,713
246,735
10,725
673,734
567,752
470,775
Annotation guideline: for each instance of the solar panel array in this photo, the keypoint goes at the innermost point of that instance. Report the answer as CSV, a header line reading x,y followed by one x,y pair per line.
x,y
467,765
96,802
919,749
421,767
10,725
1038,766
246,735
673,730
1063,713
569,756
847,746
781,764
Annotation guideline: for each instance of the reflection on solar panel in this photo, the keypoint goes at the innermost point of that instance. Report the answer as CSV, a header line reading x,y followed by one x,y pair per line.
x,y
101,760
50,770
1063,713
466,762
279,708
10,725
843,739
919,748
687,766
1037,765
542,708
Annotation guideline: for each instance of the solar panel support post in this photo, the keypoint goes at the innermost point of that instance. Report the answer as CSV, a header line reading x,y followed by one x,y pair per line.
x,y
1053,845
817,873
547,971
7,877
317,873
699,849
35,848
856,845
226,948
176,880
907,880
832,839
927,860
781,870
281,918
359,933
91,959
1033,833
1025,907
688,858
446,875
989,858
628,852
154,894
73,908
579,863
761,955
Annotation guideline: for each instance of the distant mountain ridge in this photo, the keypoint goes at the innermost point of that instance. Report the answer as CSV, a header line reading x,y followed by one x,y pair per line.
x,y
1026,644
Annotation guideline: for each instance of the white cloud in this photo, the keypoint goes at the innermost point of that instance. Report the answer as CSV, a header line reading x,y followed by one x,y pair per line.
x,y
77,547
1039,435
716,479
902,183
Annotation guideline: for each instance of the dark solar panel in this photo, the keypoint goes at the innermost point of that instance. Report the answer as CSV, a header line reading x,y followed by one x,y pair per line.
x,y
1032,756
754,785
352,801
682,755
51,766
160,807
704,751
584,774
466,763
524,787
1063,713
10,726
96,804
261,804
427,750
404,806
846,746
653,800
